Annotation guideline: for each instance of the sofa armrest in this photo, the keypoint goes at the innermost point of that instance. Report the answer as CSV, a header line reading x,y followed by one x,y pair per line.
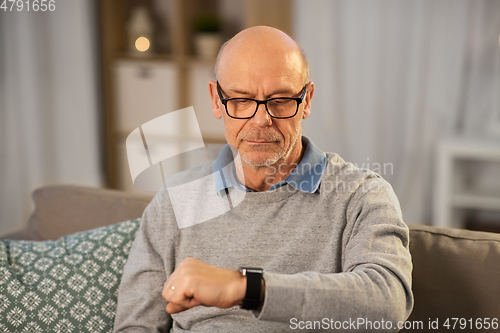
x,y
455,274
65,209
21,235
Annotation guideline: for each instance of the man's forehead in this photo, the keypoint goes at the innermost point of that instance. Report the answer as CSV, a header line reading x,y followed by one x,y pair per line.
x,y
249,52
261,66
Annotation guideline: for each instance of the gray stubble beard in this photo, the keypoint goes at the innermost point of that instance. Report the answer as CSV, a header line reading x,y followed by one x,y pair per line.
x,y
279,156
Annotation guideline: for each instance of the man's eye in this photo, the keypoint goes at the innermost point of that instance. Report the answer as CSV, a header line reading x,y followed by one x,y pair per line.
x,y
243,101
280,101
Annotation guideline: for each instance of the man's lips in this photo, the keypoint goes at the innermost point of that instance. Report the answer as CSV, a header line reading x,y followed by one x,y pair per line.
x,y
257,142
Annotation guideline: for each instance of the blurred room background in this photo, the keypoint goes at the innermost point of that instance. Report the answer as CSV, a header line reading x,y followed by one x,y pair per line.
x,y
409,89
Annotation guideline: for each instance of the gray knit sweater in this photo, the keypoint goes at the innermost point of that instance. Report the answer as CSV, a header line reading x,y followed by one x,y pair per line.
x,y
334,260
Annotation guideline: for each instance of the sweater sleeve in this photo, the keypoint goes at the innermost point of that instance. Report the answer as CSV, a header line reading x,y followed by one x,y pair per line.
x,y
141,307
374,286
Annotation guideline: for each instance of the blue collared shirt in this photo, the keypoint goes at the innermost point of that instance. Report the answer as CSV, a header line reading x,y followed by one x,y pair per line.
x,y
306,177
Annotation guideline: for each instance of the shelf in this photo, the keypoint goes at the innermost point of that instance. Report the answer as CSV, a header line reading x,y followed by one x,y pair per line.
x,y
152,58
473,149
455,187
476,201
148,58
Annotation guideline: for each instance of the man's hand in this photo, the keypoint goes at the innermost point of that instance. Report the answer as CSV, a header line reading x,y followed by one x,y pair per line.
x,y
197,283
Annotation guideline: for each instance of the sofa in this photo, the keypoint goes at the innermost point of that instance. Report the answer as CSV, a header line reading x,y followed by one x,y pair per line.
x,y
61,274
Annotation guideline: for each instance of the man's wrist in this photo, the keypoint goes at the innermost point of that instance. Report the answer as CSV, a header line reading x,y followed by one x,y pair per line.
x,y
240,288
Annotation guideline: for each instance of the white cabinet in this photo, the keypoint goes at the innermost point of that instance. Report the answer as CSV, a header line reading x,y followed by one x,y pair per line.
x,y
454,184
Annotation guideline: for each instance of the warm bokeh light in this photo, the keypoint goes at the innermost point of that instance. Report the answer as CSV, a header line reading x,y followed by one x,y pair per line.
x,y
142,44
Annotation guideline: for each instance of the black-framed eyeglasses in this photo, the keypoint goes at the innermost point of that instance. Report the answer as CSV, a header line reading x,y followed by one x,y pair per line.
x,y
246,108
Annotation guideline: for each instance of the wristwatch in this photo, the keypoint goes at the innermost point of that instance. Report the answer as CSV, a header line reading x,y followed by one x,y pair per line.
x,y
254,286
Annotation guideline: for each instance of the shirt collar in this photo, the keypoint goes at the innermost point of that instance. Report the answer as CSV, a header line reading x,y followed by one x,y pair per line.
x,y
306,177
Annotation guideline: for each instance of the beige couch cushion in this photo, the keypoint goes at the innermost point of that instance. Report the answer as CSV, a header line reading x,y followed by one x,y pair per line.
x,y
65,209
456,274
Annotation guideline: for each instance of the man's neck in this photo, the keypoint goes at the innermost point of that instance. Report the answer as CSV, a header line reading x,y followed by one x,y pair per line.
x,y
261,178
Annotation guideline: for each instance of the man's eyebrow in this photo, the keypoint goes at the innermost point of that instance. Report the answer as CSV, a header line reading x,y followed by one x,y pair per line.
x,y
283,91
241,92
276,92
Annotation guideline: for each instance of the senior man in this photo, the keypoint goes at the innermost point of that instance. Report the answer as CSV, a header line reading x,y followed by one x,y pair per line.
x,y
315,243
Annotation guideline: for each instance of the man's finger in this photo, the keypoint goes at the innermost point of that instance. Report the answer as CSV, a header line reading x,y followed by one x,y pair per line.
x,y
167,292
186,304
175,308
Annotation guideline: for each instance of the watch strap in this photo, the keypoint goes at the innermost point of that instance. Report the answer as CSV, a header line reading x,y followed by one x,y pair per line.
x,y
254,287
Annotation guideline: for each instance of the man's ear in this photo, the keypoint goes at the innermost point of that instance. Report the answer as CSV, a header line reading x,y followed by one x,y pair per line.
x,y
212,89
307,100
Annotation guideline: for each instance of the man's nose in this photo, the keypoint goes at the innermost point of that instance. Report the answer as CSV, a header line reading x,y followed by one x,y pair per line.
x,y
261,117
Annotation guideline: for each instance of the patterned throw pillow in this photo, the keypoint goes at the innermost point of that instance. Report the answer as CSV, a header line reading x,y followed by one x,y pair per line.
x,y
68,285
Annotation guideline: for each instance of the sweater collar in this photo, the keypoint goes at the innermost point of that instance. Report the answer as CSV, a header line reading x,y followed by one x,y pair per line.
x,y
306,177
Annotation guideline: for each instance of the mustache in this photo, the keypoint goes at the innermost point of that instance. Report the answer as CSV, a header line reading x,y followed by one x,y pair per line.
x,y
256,135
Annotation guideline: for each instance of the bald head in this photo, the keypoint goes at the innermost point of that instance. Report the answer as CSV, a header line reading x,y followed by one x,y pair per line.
x,y
261,46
